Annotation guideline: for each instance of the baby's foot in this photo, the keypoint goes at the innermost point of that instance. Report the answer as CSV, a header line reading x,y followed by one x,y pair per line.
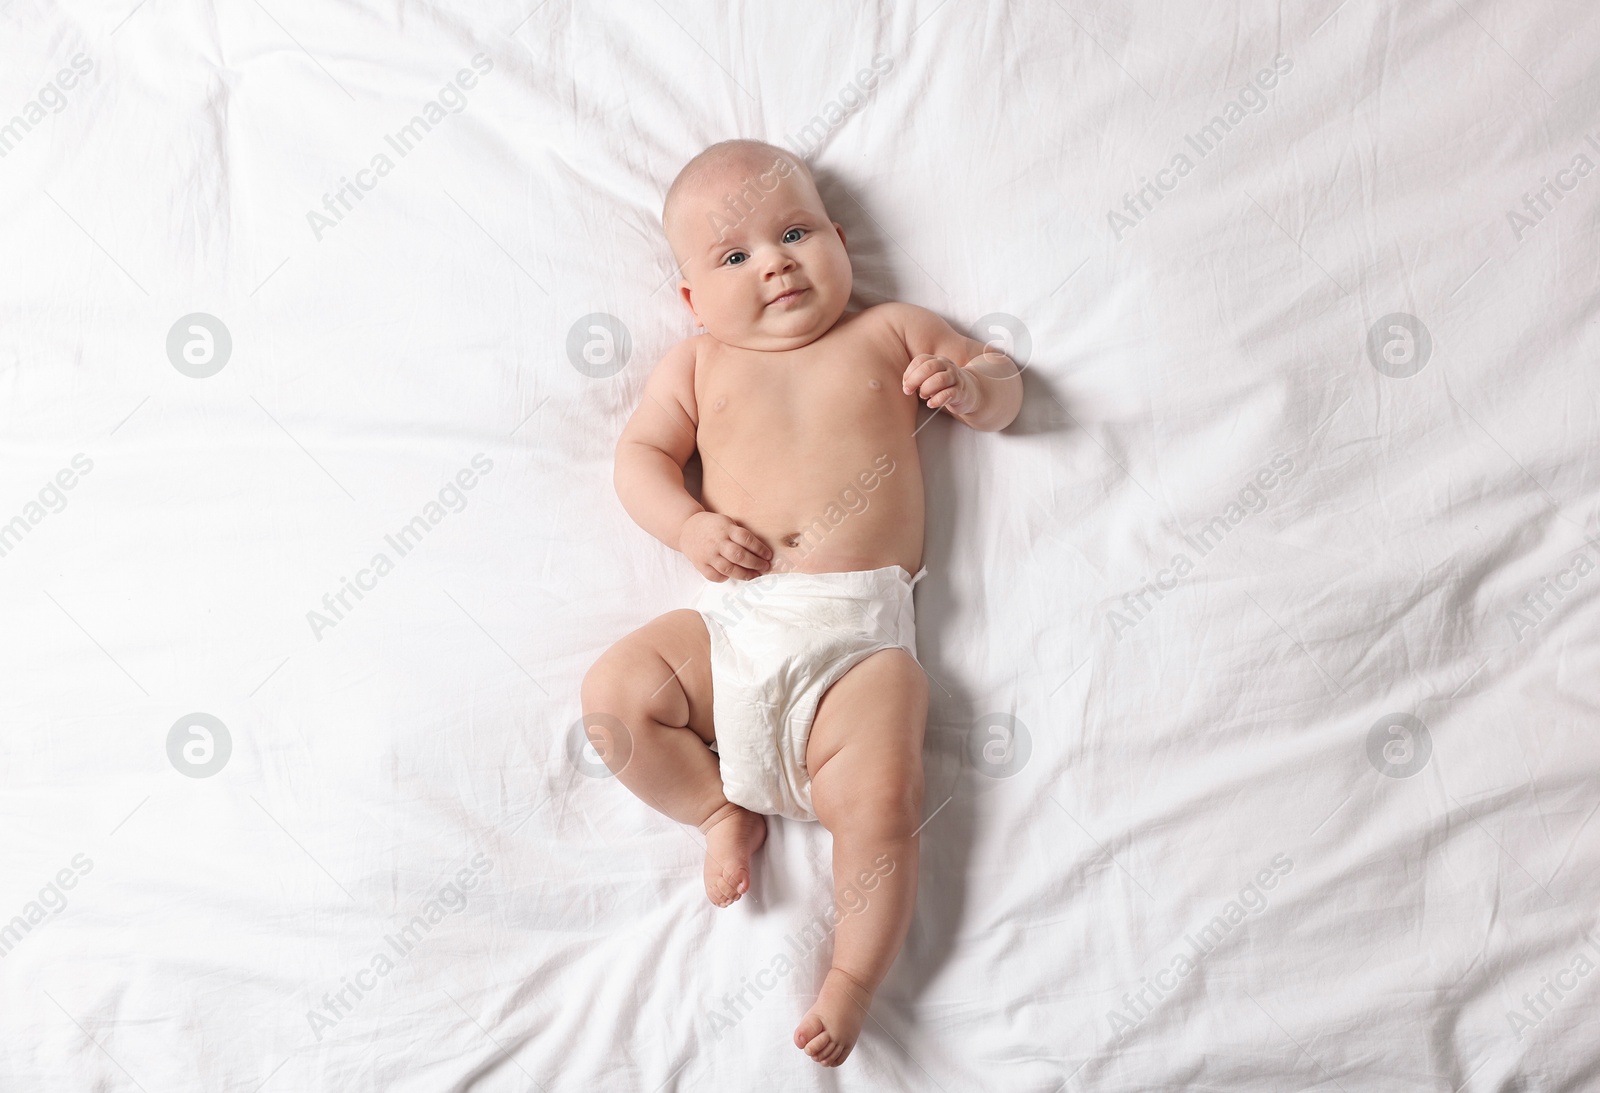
x,y
830,1027
730,842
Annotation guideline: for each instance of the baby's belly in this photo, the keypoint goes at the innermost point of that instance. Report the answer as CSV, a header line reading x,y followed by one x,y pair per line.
x,y
856,508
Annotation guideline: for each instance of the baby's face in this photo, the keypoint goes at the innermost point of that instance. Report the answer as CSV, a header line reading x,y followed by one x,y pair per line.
x,y
773,278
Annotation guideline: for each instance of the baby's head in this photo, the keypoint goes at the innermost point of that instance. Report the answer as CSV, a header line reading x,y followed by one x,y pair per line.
x,y
746,224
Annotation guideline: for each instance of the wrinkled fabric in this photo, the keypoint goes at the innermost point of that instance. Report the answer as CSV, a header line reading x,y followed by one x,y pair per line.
x,y
1183,620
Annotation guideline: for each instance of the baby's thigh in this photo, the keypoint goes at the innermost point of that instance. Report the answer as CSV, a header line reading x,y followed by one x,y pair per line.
x,y
661,671
865,747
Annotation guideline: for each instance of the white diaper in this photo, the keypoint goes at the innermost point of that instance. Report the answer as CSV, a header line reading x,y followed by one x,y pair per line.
x,y
778,641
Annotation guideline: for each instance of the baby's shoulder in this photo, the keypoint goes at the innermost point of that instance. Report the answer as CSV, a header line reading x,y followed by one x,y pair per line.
x,y
895,315
673,378
684,358
892,319
890,311
900,312
699,359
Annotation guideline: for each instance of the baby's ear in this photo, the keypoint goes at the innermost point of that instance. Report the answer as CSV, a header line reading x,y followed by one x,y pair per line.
x,y
686,293
838,227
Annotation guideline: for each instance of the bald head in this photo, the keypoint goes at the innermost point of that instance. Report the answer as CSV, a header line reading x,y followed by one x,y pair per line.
x,y
725,181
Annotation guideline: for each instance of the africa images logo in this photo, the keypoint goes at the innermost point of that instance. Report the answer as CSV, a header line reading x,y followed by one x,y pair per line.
x,y
451,99
1252,98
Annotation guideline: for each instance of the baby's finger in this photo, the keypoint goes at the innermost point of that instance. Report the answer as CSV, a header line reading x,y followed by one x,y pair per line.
x,y
918,370
934,384
738,555
729,569
751,541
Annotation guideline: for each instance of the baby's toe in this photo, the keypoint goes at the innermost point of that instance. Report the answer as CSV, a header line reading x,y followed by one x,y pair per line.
x,y
807,1032
724,889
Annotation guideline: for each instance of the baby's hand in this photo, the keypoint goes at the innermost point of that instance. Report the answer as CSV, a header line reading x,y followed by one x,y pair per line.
x,y
942,382
720,548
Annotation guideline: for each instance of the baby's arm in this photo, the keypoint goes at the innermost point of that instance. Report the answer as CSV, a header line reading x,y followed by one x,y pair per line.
x,y
980,387
655,444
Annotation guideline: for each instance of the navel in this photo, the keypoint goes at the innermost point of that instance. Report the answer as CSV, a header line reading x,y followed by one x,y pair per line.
x,y
721,402
874,384
791,540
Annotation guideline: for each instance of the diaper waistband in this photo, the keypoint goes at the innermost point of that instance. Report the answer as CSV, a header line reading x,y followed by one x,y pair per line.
x,y
840,577
862,580
870,600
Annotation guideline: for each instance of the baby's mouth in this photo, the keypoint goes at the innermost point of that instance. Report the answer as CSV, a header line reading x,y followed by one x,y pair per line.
x,y
788,297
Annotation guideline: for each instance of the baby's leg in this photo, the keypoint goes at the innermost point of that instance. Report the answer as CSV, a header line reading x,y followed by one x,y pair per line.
x,y
657,683
865,760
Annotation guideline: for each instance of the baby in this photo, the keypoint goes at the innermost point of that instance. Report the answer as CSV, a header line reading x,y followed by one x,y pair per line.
x,y
792,688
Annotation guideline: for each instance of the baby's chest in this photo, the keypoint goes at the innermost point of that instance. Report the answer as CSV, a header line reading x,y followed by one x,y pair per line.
x,y
807,397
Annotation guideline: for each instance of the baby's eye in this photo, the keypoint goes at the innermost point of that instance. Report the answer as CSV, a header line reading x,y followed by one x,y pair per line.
x,y
795,232
735,259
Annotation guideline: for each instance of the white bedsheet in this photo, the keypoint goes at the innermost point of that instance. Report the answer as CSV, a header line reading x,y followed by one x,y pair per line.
x,y
1358,546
